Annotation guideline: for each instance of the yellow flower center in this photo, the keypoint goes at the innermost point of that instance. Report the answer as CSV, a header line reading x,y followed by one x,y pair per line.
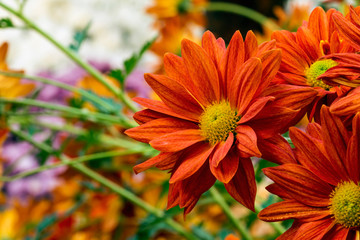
x,y
345,204
217,121
316,69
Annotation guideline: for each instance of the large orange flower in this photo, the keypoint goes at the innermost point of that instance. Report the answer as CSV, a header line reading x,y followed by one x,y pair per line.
x,y
321,187
302,62
211,116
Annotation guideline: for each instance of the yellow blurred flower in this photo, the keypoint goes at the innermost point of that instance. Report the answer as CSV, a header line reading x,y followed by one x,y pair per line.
x,y
11,87
172,8
8,223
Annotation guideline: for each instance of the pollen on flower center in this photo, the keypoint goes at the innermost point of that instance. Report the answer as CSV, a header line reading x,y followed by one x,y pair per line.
x,y
316,69
217,121
345,204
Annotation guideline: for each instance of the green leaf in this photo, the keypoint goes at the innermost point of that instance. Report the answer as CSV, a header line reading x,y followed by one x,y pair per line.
x,y
6,23
116,107
79,37
130,64
201,233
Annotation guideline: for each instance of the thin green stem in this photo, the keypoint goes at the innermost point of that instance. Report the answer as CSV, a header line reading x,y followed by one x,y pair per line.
x,y
276,225
71,162
72,55
242,11
81,113
104,139
225,207
84,93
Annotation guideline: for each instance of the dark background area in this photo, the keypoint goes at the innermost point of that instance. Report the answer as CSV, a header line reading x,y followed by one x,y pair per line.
x,y
225,24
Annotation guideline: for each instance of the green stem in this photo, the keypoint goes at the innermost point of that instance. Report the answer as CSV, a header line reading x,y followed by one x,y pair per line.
x,y
242,11
112,186
81,113
72,55
71,162
84,93
276,225
225,207
105,139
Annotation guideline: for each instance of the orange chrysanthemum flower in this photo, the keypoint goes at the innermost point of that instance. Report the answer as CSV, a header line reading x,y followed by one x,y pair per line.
x,y
11,87
212,114
320,187
302,58
347,72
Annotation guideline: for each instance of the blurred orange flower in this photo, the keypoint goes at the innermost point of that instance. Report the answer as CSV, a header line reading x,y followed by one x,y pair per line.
x,y
11,87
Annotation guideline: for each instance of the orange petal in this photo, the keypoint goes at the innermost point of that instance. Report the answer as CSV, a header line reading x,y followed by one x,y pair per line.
x,y
221,150
291,209
347,105
347,29
193,159
250,45
255,107
308,43
190,189
232,59
164,160
301,184
147,115
175,96
227,168
336,138
244,84
246,141
314,230
158,127
242,186
160,107
213,48
318,24
276,149
310,149
175,68
177,141
352,160
270,65
204,84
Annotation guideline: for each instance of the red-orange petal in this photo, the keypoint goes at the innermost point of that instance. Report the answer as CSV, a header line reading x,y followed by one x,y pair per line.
x,y
314,230
221,150
227,168
309,150
301,184
232,59
163,159
204,84
174,95
177,141
318,24
246,141
276,149
192,160
255,107
160,107
250,45
245,84
291,209
242,186
352,160
158,127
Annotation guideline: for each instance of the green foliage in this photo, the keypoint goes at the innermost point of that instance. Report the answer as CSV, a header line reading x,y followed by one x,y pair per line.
x,y
6,23
79,37
130,64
